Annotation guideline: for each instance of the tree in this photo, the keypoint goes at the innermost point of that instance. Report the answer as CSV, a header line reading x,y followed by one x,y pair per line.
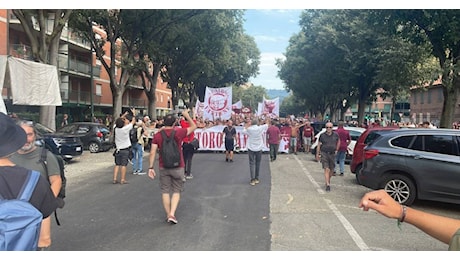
x,y
440,29
44,42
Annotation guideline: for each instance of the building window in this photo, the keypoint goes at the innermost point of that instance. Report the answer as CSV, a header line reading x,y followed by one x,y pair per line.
x,y
415,97
428,96
98,90
421,97
161,98
440,95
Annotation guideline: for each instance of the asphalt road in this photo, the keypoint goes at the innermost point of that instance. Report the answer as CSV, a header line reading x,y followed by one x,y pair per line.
x,y
219,211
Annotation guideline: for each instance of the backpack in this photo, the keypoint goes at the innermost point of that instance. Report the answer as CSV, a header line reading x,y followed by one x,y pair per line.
x,y
20,220
61,195
133,135
170,151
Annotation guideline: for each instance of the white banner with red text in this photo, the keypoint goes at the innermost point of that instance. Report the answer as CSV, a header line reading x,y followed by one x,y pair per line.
x,y
212,139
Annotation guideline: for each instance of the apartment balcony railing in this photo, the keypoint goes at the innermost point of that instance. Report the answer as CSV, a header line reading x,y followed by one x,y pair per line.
x,y
84,98
78,66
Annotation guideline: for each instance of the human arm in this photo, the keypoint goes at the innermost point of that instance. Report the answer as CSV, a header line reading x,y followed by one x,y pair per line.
x,y
55,183
439,227
318,150
153,150
191,122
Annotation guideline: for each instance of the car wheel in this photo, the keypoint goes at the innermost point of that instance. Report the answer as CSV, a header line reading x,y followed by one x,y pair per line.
x,y
357,172
93,147
401,189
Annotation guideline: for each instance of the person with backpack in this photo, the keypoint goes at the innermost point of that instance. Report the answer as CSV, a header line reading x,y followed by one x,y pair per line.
x,y
136,135
12,179
123,153
168,142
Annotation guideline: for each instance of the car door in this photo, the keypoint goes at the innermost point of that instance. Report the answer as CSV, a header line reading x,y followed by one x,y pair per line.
x,y
436,162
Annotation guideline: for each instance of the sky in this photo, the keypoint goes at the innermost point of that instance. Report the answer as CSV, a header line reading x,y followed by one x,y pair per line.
x,y
271,29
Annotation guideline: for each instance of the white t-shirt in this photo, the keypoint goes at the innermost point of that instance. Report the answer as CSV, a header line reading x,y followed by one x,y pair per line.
x,y
122,140
255,134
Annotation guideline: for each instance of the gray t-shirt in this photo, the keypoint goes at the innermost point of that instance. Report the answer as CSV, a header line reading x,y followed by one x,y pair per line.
x,y
32,161
328,142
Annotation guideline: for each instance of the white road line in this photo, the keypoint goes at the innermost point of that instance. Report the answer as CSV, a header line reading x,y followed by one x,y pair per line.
x,y
346,224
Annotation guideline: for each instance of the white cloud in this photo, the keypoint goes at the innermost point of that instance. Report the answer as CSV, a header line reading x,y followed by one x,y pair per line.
x,y
268,72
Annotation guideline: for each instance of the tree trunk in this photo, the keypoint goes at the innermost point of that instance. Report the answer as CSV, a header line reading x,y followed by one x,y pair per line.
x,y
449,104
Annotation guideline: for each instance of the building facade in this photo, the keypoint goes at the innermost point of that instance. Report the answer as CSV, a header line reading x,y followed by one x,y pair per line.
x,y
84,83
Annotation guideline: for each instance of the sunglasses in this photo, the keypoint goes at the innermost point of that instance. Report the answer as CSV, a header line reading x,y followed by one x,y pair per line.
x,y
329,127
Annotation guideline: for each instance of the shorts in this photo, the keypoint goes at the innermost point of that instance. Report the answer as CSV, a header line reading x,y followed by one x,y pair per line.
x,y
122,156
307,141
229,145
293,141
172,180
328,160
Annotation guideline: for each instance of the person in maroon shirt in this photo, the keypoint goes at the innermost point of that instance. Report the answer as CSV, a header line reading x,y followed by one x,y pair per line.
x,y
308,136
273,139
345,139
171,180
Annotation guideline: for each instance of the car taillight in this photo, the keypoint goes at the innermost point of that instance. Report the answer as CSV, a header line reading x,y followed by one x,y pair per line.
x,y
369,154
99,134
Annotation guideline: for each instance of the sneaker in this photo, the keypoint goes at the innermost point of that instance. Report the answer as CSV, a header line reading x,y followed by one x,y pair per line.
x,y
172,220
141,173
256,181
252,182
231,160
226,159
328,188
135,172
189,176
341,174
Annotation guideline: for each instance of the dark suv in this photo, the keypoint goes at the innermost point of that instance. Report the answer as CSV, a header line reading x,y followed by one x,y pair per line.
x,y
412,164
94,136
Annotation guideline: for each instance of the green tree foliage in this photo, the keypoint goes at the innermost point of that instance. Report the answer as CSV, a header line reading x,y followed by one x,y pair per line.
x,y
440,29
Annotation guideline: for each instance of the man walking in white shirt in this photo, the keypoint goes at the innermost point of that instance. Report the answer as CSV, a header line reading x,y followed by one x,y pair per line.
x,y
256,143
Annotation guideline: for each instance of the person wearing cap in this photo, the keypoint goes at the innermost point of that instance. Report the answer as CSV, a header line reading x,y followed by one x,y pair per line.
x,y
13,177
28,156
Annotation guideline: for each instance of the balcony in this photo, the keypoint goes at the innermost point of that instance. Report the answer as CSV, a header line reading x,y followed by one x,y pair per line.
x,y
78,67
21,51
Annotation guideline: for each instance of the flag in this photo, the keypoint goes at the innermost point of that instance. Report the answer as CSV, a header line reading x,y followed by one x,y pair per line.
x,y
199,108
237,105
271,107
217,103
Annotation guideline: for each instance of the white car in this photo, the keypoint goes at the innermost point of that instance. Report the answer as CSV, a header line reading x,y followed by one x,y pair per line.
x,y
355,132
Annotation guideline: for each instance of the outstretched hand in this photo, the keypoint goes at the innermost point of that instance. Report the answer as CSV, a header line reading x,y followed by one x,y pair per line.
x,y
381,202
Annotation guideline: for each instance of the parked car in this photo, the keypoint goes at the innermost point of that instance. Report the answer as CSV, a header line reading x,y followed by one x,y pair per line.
x,y
355,133
94,136
412,164
65,145
366,138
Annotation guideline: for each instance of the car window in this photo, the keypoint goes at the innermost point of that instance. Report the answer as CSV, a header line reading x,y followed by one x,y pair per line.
x,y
68,129
355,135
371,137
402,141
443,144
83,129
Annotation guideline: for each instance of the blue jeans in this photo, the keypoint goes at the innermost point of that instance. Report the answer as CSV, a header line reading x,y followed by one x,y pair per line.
x,y
273,151
340,161
254,163
138,153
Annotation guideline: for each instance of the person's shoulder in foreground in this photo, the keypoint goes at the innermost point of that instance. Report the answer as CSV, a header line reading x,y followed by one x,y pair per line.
x,y
12,176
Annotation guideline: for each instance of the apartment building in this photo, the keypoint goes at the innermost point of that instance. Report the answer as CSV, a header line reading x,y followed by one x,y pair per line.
x,y
84,83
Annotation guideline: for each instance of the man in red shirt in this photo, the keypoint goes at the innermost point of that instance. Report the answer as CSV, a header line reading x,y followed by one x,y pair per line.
x,y
345,139
273,139
308,136
171,180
